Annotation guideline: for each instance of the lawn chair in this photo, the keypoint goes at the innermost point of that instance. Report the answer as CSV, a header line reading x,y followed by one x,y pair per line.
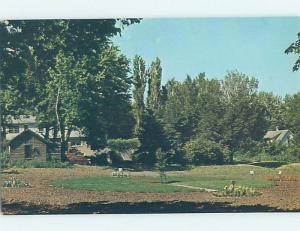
x,y
120,172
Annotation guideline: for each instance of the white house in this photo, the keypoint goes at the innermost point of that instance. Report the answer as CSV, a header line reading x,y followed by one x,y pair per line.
x,y
279,136
25,122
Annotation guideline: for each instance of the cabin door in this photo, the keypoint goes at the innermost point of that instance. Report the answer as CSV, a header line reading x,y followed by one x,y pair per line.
x,y
28,151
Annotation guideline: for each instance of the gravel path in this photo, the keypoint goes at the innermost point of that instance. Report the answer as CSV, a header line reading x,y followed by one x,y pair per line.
x,y
193,187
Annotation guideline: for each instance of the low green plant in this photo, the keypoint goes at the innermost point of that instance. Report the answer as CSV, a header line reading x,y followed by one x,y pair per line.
x,y
39,164
4,159
13,182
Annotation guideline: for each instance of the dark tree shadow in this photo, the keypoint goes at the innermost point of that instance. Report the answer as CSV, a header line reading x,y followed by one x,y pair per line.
x,y
106,207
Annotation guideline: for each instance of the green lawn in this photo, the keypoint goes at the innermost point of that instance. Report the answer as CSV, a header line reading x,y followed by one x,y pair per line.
x,y
212,177
118,184
291,169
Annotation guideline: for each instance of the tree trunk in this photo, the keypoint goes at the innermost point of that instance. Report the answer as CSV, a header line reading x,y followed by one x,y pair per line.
x,y
55,134
231,157
47,132
61,128
63,142
3,137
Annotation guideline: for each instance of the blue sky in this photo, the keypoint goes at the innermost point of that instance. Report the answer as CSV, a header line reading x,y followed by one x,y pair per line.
x,y
254,46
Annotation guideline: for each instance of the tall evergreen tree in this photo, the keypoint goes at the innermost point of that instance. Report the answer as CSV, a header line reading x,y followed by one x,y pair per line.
x,y
139,78
154,85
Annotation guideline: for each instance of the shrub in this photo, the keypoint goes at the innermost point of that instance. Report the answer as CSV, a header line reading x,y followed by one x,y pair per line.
x,y
128,146
101,158
201,151
270,152
106,157
40,164
4,159
76,157
280,152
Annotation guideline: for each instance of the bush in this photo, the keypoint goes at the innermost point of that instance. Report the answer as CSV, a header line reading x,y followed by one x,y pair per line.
x,y
106,157
128,146
39,164
270,152
101,158
4,159
76,157
201,151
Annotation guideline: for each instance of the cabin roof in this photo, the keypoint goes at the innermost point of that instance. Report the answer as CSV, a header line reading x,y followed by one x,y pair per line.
x,y
277,134
28,131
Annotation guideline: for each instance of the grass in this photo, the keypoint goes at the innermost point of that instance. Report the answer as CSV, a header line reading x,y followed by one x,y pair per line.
x,y
219,182
291,169
116,184
212,177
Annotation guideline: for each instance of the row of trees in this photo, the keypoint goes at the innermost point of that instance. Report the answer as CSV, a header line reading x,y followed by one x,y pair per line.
x,y
69,75
203,120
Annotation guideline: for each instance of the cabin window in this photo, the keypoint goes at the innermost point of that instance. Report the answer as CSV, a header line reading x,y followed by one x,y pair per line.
x,y
26,127
13,129
36,152
28,151
41,129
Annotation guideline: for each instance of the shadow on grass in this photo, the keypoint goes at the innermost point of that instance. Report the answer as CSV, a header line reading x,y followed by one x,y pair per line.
x,y
269,164
106,207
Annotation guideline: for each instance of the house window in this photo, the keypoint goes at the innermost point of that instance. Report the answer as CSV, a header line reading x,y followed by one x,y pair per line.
x,y
36,152
26,127
28,151
14,129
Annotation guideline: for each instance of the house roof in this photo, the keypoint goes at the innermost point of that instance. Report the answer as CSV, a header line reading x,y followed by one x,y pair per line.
x,y
277,134
28,131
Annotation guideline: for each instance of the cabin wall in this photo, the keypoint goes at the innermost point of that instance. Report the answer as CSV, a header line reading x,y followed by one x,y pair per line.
x,y
17,151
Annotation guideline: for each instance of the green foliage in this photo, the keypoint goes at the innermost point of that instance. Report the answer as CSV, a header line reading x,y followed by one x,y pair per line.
x,y
102,157
140,76
275,109
154,86
75,56
270,152
295,49
292,104
161,160
152,138
124,145
199,151
39,164
4,159
244,117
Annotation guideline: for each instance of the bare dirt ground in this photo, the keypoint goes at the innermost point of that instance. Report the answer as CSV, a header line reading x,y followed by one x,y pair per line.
x,y
43,198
